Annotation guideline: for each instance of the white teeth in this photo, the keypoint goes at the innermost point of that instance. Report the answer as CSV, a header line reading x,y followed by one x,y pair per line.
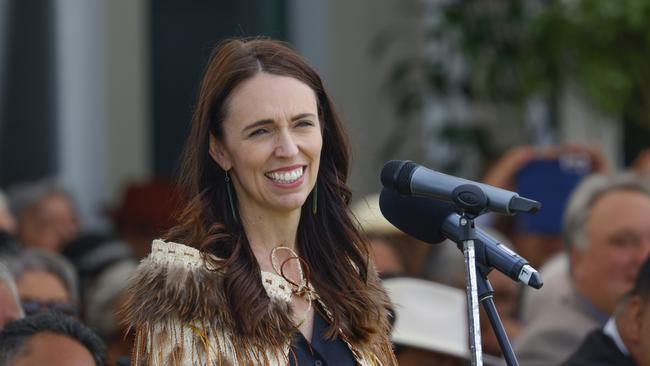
x,y
286,177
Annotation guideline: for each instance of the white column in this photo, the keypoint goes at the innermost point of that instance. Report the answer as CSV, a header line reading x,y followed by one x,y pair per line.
x,y
81,102
103,101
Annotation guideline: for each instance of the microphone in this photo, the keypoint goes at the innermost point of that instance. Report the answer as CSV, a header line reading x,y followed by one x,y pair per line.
x,y
411,179
432,221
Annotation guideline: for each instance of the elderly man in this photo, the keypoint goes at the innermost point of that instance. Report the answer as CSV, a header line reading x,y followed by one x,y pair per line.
x,y
607,233
625,339
10,308
47,218
45,281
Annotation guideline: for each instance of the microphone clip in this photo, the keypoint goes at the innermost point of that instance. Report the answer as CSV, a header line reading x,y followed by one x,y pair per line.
x,y
470,199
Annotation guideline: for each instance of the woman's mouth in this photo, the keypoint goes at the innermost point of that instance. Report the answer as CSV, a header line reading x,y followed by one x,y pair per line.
x,y
286,176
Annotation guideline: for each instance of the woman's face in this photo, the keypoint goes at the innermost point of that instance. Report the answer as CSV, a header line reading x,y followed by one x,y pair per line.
x,y
271,143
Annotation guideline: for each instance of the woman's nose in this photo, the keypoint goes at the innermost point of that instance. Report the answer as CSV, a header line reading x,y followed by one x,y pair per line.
x,y
286,145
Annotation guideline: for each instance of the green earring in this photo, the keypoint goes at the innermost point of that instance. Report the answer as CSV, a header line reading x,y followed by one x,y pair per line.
x,y
230,199
314,199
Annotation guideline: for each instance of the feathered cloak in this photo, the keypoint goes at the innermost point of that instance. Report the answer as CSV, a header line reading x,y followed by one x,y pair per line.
x,y
179,312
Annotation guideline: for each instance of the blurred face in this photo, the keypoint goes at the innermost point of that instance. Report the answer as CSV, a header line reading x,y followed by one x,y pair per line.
x,y
7,221
53,350
49,224
618,242
9,307
40,289
272,143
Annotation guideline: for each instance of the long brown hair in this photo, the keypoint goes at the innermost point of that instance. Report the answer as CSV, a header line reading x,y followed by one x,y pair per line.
x,y
328,241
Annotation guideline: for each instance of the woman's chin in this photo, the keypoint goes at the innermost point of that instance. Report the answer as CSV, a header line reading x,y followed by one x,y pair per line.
x,y
290,204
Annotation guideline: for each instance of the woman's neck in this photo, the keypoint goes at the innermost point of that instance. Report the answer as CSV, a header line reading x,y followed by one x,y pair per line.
x,y
266,231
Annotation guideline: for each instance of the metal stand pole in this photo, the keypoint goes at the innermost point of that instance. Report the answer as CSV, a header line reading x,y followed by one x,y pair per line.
x,y
467,236
472,200
485,293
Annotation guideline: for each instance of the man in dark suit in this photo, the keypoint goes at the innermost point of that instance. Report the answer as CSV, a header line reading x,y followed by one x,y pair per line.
x,y
625,339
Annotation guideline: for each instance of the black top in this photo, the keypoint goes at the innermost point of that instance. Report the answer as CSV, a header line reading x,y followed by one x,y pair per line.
x,y
320,352
598,349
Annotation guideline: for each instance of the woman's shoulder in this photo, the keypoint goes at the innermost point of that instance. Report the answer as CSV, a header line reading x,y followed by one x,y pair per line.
x,y
173,280
174,254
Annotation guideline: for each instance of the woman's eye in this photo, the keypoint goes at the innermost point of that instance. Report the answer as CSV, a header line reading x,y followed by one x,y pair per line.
x,y
304,123
259,131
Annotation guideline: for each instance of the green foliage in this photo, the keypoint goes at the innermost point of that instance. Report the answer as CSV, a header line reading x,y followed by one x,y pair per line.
x,y
605,46
492,35
514,50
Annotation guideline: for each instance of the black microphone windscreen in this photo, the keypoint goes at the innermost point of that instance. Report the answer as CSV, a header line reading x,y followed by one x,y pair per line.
x,y
396,174
389,173
419,217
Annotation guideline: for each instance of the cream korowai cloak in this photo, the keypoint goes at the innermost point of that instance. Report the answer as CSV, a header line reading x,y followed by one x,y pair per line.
x,y
177,306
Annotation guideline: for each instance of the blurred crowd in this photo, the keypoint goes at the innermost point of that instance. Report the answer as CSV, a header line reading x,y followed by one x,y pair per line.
x,y
60,279
61,286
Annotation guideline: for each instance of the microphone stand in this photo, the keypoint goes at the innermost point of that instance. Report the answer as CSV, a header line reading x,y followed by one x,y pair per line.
x,y
485,292
467,236
472,201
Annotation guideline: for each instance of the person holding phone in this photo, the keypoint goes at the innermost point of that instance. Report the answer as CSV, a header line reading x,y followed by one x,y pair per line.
x,y
548,175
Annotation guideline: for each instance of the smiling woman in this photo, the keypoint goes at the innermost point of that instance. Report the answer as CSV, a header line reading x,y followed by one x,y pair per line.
x,y
271,144
272,270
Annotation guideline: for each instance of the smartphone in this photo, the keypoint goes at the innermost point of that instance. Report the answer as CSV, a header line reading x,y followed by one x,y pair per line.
x,y
551,182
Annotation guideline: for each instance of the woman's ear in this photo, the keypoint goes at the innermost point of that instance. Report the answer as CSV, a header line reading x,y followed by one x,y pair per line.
x,y
219,154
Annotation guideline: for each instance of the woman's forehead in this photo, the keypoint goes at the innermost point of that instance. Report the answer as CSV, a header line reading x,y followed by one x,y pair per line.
x,y
271,96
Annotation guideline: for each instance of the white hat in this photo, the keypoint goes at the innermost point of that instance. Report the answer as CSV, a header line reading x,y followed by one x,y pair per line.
x,y
429,316
368,213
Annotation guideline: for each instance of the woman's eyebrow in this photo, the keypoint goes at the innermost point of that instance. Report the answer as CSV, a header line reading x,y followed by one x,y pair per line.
x,y
267,121
262,122
303,115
